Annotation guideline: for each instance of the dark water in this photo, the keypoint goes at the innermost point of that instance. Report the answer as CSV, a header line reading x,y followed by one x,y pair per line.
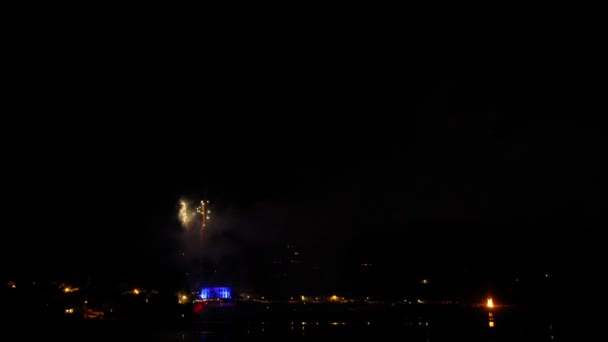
x,y
450,325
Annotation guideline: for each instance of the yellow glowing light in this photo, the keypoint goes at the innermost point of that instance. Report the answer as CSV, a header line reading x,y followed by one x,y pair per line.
x,y
334,298
490,303
184,297
69,311
424,281
13,286
491,324
183,214
303,298
136,291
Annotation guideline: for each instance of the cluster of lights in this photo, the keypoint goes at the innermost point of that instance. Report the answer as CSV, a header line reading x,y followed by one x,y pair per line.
x,y
215,293
186,216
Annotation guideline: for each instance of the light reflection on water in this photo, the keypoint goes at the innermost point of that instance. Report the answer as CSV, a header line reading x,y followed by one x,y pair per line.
x,y
472,326
490,329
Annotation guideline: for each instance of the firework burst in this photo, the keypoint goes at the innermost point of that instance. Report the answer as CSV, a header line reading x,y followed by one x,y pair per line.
x,y
184,214
187,214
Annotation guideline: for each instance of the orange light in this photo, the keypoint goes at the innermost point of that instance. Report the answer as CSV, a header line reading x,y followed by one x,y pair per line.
x,y
491,324
136,291
490,303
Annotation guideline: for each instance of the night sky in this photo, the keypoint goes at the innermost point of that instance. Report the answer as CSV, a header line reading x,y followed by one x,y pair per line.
x,y
352,143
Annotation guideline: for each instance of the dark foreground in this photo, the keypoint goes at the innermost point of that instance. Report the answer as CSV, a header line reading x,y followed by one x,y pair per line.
x,y
436,324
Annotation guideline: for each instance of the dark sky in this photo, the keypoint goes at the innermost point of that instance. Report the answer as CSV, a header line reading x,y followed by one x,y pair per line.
x,y
327,136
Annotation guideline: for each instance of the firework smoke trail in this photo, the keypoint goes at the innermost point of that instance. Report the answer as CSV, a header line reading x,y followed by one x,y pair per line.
x,y
191,218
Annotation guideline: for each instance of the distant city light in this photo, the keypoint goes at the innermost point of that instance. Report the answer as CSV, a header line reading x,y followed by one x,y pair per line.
x,y
215,293
205,293
490,303
182,299
136,291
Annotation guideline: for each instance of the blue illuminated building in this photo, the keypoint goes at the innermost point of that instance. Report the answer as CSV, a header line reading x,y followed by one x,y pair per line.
x,y
215,293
